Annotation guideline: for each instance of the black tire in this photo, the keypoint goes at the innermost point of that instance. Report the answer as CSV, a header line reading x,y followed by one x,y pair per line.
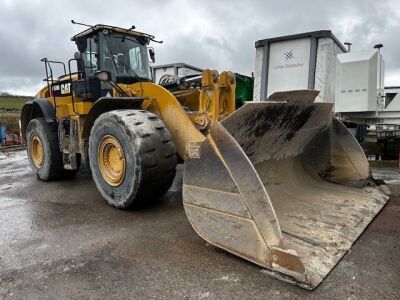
x,y
150,157
52,166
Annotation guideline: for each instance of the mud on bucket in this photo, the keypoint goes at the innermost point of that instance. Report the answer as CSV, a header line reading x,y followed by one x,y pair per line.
x,y
283,184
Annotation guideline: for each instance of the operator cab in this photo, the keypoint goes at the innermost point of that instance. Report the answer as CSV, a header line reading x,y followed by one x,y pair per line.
x,y
122,52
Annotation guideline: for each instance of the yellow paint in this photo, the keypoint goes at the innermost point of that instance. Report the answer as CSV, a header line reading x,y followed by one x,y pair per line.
x,y
226,94
81,108
42,93
209,102
126,89
188,98
36,151
213,102
111,160
217,96
162,103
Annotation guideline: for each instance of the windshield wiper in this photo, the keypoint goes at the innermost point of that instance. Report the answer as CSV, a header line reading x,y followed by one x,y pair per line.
x,y
128,69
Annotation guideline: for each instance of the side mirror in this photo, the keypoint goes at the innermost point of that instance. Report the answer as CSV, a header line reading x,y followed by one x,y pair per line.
x,y
77,56
103,75
81,43
152,55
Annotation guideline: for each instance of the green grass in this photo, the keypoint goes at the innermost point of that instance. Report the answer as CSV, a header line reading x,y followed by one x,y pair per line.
x,y
12,103
10,111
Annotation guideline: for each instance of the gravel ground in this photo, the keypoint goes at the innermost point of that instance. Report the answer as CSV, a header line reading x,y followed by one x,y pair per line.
x,y
61,240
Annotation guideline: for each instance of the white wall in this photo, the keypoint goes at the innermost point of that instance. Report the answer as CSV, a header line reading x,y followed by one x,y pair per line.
x,y
288,65
394,105
257,74
357,81
325,69
292,73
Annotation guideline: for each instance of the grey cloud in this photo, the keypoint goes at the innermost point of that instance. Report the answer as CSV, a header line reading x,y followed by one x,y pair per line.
x,y
214,34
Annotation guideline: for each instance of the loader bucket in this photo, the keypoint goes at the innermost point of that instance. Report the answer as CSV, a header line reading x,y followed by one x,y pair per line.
x,y
281,183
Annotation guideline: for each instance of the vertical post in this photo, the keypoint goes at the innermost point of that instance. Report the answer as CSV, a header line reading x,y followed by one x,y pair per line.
x,y
312,63
348,46
20,131
264,73
379,96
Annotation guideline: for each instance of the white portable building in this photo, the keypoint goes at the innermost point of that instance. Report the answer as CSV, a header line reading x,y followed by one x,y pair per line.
x,y
360,81
299,61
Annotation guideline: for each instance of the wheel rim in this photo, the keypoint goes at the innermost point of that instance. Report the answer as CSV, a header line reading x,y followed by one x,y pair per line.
x,y
36,151
111,159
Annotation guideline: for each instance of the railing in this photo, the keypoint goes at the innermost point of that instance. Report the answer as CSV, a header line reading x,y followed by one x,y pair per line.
x,y
50,78
388,134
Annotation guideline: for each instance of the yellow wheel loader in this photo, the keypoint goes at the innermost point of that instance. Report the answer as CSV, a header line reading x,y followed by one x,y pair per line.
x,y
281,183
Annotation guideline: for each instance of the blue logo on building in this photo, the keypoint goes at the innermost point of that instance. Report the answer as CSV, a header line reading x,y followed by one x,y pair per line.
x,y
288,55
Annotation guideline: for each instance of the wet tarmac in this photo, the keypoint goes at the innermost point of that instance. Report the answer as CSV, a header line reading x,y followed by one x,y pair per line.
x,y
61,240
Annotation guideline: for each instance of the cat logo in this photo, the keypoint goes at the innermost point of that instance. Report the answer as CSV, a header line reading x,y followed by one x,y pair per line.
x,y
65,88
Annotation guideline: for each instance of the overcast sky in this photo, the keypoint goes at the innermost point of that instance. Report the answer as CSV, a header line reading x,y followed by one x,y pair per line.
x,y
213,34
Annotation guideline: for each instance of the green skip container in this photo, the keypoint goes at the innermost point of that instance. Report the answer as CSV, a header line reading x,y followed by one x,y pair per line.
x,y
244,89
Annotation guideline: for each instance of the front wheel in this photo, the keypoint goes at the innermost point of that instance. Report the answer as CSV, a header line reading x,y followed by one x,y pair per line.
x,y
132,157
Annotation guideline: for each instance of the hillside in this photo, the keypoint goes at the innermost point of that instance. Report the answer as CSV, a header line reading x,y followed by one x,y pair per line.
x,y
10,110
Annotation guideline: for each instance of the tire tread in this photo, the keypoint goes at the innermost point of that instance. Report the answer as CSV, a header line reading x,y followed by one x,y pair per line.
x,y
156,153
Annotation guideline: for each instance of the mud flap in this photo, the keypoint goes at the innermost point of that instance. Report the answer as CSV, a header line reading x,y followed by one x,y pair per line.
x,y
281,184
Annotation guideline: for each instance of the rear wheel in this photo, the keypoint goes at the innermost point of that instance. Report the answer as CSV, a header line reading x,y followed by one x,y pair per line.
x,y
132,157
43,152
